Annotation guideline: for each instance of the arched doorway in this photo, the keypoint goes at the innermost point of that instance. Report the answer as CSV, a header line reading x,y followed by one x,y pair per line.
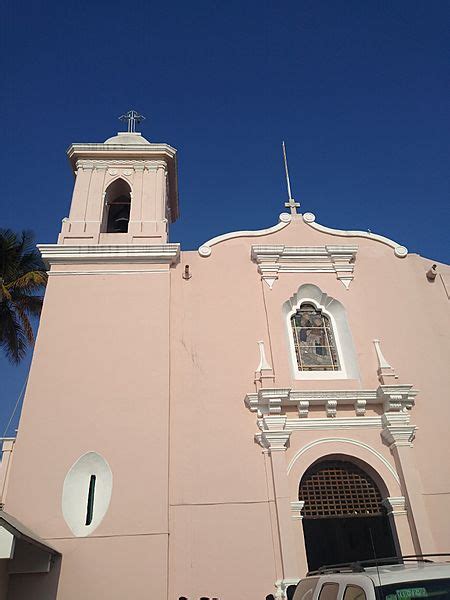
x,y
344,519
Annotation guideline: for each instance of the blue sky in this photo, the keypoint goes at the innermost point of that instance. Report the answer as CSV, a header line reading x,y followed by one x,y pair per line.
x,y
357,89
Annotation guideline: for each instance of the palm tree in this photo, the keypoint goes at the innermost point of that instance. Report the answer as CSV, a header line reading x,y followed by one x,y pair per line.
x,y
22,281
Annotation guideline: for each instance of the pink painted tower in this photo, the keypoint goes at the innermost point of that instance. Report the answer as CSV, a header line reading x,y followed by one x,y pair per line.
x,y
90,469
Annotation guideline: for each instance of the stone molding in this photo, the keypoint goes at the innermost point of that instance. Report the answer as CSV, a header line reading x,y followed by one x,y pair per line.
x,y
399,251
399,435
271,401
331,442
56,254
94,151
205,249
385,370
150,165
296,510
395,505
274,435
276,259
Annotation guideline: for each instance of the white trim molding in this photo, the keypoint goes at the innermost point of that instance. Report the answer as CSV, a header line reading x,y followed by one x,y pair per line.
x,y
58,254
276,259
397,399
395,505
334,441
396,432
399,251
274,435
385,370
336,312
296,510
205,249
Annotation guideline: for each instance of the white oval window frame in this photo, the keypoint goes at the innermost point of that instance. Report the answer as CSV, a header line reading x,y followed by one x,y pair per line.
x,y
76,493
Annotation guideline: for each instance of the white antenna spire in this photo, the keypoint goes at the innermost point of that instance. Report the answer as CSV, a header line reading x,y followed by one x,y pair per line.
x,y
292,204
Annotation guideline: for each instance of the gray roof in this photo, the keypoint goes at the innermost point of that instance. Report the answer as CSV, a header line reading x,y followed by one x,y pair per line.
x,y
19,531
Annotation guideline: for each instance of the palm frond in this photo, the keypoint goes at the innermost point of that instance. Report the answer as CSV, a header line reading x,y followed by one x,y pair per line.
x,y
25,322
32,280
22,277
31,304
5,294
12,336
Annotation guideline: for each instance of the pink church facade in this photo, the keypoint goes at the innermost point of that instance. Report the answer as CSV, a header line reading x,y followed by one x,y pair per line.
x,y
186,412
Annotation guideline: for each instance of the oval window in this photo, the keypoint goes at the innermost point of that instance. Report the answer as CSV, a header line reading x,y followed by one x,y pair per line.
x,y
86,493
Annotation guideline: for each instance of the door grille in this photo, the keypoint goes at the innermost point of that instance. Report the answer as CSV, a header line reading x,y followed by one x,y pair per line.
x,y
339,489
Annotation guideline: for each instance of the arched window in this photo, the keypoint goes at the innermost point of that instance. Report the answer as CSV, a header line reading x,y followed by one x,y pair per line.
x,y
117,207
318,335
314,341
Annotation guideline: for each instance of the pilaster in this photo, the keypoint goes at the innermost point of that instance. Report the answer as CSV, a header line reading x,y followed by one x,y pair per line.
x,y
274,438
398,434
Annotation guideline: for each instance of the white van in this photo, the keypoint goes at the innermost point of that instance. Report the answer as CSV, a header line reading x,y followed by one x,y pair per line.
x,y
414,579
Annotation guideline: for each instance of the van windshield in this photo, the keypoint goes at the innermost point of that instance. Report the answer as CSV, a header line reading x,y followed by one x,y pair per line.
x,y
416,590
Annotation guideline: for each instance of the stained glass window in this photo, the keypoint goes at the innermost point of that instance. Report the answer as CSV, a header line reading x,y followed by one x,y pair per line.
x,y
314,342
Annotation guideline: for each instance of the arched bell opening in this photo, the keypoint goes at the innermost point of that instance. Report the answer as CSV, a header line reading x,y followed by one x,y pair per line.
x,y
344,519
117,207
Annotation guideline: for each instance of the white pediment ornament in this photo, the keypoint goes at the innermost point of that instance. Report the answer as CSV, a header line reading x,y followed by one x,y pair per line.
x,y
275,259
399,251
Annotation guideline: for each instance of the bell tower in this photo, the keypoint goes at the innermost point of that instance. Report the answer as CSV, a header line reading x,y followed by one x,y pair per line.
x,y
125,191
93,442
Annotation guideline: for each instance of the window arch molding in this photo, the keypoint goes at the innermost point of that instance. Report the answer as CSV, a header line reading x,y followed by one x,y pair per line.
x,y
333,309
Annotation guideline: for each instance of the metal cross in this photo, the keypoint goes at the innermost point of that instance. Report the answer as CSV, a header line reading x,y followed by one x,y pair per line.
x,y
291,203
133,117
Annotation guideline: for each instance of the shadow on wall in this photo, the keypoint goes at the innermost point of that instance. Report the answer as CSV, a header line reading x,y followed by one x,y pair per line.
x,y
38,586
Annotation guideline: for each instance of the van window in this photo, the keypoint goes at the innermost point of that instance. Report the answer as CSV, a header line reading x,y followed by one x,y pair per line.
x,y
329,591
305,588
354,592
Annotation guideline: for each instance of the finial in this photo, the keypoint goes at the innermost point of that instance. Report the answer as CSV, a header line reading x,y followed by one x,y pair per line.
x,y
133,117
291,203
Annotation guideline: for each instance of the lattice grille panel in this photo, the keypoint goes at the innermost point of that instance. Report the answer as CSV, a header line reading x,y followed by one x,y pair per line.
x,y
339,489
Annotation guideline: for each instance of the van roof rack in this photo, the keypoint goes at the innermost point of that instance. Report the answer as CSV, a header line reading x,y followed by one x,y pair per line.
x,y
360,565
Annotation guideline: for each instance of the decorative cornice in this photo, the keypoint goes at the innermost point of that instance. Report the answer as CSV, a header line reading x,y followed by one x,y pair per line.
x,y
274,435
296,510
399,435
325,423
95,151
397,397
400,251
55,254
275,259
205,249
396,505
135,164
271,401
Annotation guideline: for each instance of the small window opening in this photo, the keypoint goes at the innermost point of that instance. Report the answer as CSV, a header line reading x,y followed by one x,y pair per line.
x,y
117,206
90,500
314,342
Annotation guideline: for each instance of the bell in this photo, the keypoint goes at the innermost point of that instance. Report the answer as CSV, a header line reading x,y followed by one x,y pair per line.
x,y
121,224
